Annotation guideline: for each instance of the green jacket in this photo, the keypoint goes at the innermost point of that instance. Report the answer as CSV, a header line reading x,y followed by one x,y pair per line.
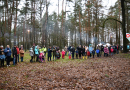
x,y
44,49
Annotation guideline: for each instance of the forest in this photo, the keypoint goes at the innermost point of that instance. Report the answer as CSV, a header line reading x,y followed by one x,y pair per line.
x,y
86,23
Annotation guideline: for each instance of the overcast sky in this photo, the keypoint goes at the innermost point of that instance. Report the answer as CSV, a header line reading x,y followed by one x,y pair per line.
x,y
54,5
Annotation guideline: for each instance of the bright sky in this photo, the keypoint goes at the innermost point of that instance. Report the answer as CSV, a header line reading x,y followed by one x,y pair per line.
x,y
54,5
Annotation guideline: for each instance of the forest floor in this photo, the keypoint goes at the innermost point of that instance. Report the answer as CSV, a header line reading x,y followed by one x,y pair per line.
x,y
104,73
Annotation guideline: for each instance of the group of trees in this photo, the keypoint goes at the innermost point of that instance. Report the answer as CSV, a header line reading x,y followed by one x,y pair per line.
x,y
86,23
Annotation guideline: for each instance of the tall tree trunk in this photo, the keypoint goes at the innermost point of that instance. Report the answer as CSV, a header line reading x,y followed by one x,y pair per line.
x,y
80,28
123,27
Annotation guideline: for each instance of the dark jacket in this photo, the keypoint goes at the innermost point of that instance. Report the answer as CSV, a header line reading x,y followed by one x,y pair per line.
x,y
102,48
54,51
49,52
14,51
79,49
6,52
93,52
1,51
72,49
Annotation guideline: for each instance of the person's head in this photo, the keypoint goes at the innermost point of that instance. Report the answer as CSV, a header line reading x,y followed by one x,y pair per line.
x,y
62,49
1,46
7,46
111,48
30,48
21,45
21,48
79,45
50,47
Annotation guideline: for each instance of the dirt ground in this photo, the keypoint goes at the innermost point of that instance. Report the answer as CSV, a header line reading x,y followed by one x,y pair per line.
x,y
105,73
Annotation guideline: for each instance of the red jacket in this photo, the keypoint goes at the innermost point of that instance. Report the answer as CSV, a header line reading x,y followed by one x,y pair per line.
x,y
17,50
88,53
112,50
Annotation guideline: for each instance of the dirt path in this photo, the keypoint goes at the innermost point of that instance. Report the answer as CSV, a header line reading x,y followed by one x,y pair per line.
x,y
111,73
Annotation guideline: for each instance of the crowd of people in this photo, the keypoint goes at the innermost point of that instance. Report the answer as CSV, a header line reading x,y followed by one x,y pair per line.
x,y
38,54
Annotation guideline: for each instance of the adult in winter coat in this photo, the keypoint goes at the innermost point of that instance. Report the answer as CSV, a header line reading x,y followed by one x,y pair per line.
x,y
14,51
117,49
45,50
49,53
36,53
102,49
90,49
21,54
54,53
31,54
7,52
17,53
2,56
83,52
73,51
80,51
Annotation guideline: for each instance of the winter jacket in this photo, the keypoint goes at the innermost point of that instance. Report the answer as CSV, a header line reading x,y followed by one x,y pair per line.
x,y
49,52
90,49
21,53
106,50
112,50
2,56
98,47
17,50
88,53
79,49
102,48
36,50
14,51
6,52
63,52
31,52
93,52
44,49
54,51
76,51
72,49
97,51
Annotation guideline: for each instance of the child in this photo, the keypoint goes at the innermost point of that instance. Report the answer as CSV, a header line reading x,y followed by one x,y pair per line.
x,y
76,54
31,54
41,57
88,53
93,52
69,55
58,54
111,51
97,51
21,54
63,53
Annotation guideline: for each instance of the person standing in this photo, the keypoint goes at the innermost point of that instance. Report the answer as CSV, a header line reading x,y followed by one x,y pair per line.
x,y
106,51
33,47
14,51
21,54
90,49
99,48
98,52
93,52
49,53
77,54
80,51
63,53
83,52
54,53
2,56
7,52
31,54
36,53
45,50
73,51
65,50
102,49
117,49
17,53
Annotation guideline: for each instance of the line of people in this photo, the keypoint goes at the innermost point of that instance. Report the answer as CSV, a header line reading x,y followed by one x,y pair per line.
x,y
5,55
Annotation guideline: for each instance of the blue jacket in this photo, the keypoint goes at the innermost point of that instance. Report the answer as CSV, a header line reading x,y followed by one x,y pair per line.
x,y
36,50
7,53
2,57
49,52
97,51
90,49
77,52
